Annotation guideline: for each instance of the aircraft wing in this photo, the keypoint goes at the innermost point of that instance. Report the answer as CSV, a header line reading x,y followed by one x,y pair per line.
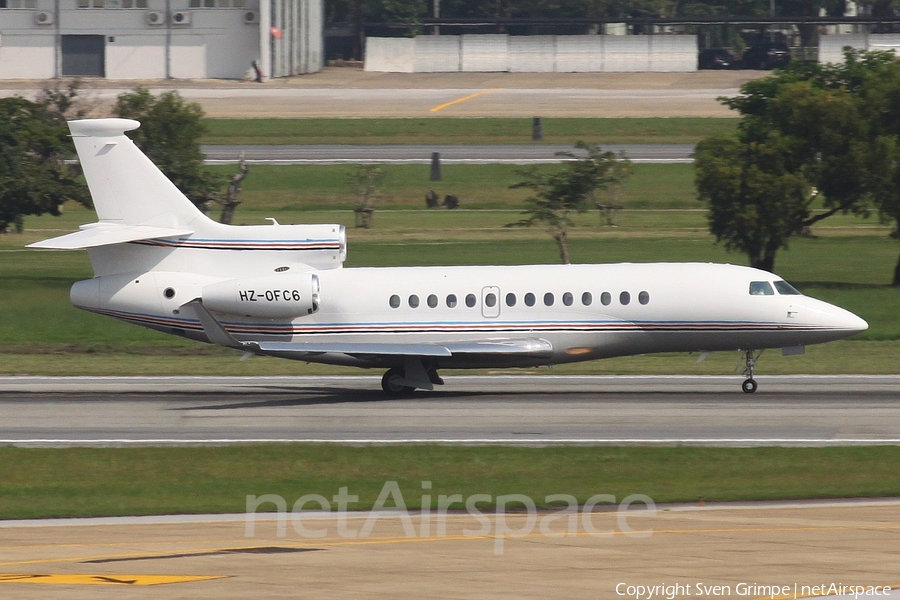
x,y
217,334
105,234
520,347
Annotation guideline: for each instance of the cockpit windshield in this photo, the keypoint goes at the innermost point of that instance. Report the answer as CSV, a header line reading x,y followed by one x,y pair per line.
x,y
761,288
764,288
786,289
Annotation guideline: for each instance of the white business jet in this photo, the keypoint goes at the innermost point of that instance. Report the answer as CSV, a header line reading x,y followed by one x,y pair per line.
x,y
280,290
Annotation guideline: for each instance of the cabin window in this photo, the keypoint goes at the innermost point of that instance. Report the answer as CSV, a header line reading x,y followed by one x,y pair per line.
x,y
587,298
605,298
451,300
644,297
568,299
529,299
761,288
395,301
548,299
786,289
510,299
490,299
624,298
414,301
432,301
471,300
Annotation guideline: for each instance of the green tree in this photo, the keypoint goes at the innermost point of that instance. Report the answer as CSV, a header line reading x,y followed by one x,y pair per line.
x,y
755,202
570,190
879,95
835,127
35,177
170,134
366,181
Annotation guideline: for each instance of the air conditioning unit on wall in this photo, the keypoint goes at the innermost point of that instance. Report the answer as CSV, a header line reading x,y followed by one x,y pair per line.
x,y
181,17
155,17
251,17
43,18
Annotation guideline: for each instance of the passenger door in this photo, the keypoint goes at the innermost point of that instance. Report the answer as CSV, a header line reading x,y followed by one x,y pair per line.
x,y
490,301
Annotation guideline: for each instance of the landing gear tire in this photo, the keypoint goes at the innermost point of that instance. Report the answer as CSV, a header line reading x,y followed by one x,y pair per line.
x,y
750,357
391,385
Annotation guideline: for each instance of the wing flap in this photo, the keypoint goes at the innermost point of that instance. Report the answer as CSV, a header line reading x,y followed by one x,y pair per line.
x,y
105,234
528,346
352,348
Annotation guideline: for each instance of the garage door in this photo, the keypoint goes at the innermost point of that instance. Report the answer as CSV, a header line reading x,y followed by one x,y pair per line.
x,y
82,56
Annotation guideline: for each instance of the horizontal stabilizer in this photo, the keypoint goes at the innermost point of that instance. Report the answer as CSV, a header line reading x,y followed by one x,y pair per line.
x,y
105,234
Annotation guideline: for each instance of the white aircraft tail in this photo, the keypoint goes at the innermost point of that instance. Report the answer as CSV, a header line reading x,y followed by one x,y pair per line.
x,y
134,200
126,186
148,224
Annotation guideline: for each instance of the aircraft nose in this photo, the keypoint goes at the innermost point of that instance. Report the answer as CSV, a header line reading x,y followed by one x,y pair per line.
x,y
852,322
836,318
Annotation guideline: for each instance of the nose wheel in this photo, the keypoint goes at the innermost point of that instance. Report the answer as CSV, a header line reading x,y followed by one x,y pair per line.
x,y
750,357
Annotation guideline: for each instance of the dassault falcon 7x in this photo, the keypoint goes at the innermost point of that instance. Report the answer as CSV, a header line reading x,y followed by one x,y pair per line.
x,y
281,290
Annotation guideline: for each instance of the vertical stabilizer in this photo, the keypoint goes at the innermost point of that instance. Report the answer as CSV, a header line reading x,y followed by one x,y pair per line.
x,y
127,188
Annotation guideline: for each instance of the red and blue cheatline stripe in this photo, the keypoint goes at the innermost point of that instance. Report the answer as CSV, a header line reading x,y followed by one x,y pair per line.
x,y
493,327
214,244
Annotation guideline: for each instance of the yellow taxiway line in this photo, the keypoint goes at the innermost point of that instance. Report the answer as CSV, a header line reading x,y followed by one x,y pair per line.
x,y
441,107
118,579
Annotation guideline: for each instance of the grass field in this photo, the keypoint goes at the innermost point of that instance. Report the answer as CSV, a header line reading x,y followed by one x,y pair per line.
x,y
437,130
849,263
80,482
312,187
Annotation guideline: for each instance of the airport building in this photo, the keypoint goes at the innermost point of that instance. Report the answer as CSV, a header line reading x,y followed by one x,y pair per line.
x,y
159,39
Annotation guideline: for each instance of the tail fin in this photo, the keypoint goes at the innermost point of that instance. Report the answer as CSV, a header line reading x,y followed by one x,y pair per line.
x,y
127,188
133,199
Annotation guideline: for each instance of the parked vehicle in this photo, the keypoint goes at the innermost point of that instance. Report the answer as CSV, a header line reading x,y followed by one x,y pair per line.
x,y
716,58
766,55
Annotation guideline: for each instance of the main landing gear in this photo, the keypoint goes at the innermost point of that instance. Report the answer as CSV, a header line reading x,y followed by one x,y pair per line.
x,y
414,375
750,357
392,383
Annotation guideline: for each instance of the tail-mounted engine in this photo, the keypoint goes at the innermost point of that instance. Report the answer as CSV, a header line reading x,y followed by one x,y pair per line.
x,y
277,296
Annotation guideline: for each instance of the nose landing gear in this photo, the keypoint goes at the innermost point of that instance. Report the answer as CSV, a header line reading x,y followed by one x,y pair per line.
x,y
750,357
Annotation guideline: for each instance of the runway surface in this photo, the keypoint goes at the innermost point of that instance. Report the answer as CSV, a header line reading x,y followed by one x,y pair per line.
x,y
523,409
421,154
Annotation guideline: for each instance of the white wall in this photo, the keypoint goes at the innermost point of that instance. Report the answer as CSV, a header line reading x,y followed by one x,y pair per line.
x,y
545,53
627,53
527,54
668,53
831,47
483,53
26,56
579,53
436,54
136,57
391,55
